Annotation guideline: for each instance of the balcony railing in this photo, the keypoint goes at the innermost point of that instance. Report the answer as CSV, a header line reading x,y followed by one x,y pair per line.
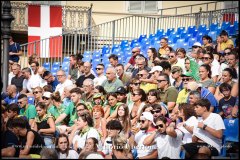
x,y
73,17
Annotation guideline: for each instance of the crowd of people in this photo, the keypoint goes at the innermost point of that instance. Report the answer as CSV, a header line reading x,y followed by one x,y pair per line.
x,y
158,106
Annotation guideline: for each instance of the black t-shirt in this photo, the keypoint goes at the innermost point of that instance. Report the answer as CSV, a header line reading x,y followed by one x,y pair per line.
x,y
37,145
226,106
10,139
80,80
18,82
15,48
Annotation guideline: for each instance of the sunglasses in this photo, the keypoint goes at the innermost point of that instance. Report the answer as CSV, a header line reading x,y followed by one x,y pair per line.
x,y
141,121
185,79
136,84
159,126
134,51
36,92
174,72
45,98
140,75
159,81
156,111
98,68
171,56
134,94
19,102
205,58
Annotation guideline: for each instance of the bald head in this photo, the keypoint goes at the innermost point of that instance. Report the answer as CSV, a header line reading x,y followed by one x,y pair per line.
x,y
41,70
135,51
11,89
87,67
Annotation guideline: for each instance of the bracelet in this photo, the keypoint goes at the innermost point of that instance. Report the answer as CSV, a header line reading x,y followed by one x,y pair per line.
x,y
204,126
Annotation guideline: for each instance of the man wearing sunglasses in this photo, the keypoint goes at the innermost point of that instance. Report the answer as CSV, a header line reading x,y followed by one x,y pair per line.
x,y
147,127
27,110
135,52
100,78
167,135
174,61
141,64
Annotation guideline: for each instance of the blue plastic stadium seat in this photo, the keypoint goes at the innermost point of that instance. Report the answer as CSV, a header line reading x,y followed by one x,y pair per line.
x,y
31,100
142,37
169,30
136,45
199,36
163,35
170,41
213,34
191,29
123,42
187,37
173,45
185,46
66,59
144,41
225,25
202,28
87,58
236,25
154,40
213,26
116,51
160,32
105,56
191,41
207,31
180,30
157,45
115,46
133,42
87,53
65,64
180,43
105,50
56,64
231,30
46,65
66,69
182,154
195,32
183,34
95,62
96,54
176,38
151,36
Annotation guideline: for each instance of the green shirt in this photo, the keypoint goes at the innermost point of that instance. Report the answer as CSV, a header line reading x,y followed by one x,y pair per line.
x,y
55,112
112,109
71,111
169,95
30,112
112,86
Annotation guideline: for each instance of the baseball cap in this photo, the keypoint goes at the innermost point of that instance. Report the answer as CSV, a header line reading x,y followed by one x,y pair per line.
x,y
193,86
148,116
47,94
156,68
121,90
197,44
97,95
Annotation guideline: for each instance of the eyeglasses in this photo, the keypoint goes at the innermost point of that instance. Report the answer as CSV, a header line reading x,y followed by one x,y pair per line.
x,y
136,84
186,79
134,94
45,98
156,111
134,51
36,92
60,75
159,126
141,121
98,68
159,81
79,110
205,58
20,102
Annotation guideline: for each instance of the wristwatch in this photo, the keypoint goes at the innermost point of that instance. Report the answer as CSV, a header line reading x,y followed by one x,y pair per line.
x,y
204,126
184,125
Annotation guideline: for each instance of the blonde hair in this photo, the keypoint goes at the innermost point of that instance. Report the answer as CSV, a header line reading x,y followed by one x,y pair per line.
x,y
120,143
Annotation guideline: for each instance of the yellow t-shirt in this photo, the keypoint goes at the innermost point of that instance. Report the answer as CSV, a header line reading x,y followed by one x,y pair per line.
x,y
182,96
225,44
148,86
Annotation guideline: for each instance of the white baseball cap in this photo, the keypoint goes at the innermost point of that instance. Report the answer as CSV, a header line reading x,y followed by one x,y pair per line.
x,y
156,68
47,94
147,116
197,44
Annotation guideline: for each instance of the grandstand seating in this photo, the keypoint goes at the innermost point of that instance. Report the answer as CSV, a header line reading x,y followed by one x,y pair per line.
x,y
169,31
46,65
56,65
66,59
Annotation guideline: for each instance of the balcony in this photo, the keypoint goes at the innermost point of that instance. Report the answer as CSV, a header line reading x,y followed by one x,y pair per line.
x,y
74,17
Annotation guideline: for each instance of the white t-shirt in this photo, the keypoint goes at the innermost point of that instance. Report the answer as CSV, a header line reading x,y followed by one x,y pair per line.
x,y
187,138
60,87
107,147
42,81
143,150
30,83
214,121
72,154
215,68
168,146
10,76
99,80
82,139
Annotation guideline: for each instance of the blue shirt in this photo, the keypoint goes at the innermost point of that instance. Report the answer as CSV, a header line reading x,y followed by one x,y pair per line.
x,y
54,83
10,100
15,48
206,94
66,101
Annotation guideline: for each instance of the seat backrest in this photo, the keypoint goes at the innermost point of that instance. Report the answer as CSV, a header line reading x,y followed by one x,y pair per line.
x,y
232,128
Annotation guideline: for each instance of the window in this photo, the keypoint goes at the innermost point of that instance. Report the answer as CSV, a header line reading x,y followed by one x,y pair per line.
x,y
230,4
143,6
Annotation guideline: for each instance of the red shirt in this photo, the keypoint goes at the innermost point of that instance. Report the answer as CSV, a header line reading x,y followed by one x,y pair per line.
x,y
132,61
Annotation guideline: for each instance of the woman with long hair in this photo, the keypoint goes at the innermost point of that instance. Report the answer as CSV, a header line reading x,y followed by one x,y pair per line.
x,y
63,149
44,124
100,121
205,78
152,56
38,93
112,104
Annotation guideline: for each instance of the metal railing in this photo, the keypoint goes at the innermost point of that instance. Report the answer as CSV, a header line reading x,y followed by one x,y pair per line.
x,y
73,17
129,28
